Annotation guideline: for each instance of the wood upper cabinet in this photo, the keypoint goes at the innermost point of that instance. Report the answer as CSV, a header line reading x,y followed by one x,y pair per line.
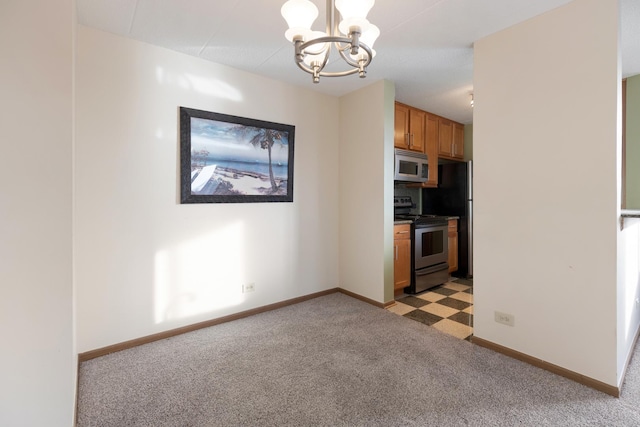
x,y
445,138
453,245
401,257
427,133
409,128
401,127
458,141
417,121
450,139
431,148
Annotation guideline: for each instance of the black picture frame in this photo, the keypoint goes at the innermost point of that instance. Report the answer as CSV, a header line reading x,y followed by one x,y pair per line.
x,y
231,159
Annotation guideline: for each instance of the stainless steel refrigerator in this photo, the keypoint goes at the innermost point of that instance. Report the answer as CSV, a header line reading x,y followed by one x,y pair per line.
x,y
454,196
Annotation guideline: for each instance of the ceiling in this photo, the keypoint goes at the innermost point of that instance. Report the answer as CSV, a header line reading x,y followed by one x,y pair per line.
x,y
425,46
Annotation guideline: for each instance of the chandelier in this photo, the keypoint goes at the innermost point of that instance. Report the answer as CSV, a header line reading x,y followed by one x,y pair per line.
x,y
352,38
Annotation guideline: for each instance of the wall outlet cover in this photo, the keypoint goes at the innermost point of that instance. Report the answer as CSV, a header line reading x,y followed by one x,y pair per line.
x,y
504,318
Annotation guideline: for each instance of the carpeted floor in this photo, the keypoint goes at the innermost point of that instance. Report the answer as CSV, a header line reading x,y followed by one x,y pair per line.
x,y
335,361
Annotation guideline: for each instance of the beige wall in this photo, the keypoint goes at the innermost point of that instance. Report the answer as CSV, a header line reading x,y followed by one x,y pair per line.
x,y
366,191
541,200
37,374
145,263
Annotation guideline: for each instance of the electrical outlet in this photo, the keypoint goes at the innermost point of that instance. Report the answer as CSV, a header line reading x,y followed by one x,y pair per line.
x,y
504,318
249,287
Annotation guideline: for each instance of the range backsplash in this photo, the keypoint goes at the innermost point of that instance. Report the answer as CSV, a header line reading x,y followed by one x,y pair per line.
x,y
400,189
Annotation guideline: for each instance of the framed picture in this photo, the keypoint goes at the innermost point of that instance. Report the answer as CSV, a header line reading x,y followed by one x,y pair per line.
x,y
229,159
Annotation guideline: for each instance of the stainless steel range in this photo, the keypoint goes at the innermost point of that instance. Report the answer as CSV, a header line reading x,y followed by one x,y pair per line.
x,y
429,246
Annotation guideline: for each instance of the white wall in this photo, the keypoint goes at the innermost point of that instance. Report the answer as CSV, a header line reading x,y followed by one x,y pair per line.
x,y
145,263
629,237
546,153
366,191
37,378
628,292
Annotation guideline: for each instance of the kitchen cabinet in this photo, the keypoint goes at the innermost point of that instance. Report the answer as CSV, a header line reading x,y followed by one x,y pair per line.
x,y
445,137
458,141
450,139
409,128
430,134
453,245
431,149
431,137
402,257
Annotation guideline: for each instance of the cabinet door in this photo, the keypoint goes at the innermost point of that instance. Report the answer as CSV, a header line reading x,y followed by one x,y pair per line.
x,y
401,127
417,121
402,263
458,141
431,149
453,245
445,135
453,252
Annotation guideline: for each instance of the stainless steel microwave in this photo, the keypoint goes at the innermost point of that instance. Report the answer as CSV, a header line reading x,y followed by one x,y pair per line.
x,y
410,166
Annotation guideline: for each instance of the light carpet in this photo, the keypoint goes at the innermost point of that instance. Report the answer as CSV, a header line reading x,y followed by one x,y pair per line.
x,y
335,361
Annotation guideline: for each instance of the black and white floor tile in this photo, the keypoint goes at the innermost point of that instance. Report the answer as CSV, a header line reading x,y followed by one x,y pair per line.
x,y
448,307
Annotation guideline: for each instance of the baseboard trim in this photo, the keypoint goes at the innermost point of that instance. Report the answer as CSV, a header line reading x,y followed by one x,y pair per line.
x,y
363,299
574,376
92,354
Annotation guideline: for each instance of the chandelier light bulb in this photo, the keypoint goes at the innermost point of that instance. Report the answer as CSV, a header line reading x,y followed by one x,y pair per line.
x,y
354,14
299,15
369,37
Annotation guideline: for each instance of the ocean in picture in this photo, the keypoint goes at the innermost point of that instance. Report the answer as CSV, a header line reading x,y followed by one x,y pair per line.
x,y
279,170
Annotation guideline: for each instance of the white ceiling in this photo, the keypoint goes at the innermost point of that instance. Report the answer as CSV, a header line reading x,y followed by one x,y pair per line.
x,y
425,46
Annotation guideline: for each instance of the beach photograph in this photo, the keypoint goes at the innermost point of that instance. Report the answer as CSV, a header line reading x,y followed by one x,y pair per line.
x,y
232,159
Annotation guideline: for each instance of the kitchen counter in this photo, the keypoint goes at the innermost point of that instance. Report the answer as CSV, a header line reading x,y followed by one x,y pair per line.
x,y
402,221
408,221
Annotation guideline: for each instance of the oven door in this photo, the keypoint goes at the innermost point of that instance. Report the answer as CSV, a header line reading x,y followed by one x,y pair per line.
x,y
431,246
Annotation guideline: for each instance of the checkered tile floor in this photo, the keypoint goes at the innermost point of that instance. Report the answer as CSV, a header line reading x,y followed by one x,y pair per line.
x,y
448,307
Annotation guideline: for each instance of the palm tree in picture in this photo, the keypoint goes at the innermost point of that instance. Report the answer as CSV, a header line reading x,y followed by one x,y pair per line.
x,y
264,139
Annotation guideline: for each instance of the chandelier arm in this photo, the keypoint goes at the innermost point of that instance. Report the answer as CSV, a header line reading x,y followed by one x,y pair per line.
x,y
304,67
326,39
353,63
339,73
327,54
309,70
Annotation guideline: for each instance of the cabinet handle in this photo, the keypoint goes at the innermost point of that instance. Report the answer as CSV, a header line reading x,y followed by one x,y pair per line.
x,y
407,139
402,232
411,141
396,252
